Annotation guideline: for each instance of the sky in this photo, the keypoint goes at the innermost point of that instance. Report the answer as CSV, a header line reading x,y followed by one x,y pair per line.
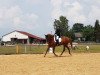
x,y
37,16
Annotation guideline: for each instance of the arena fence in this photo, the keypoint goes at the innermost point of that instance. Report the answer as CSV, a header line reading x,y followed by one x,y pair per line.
x,y
23,49
41,48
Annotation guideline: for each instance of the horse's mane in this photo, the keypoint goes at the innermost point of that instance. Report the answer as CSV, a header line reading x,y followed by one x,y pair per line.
x,y
50,35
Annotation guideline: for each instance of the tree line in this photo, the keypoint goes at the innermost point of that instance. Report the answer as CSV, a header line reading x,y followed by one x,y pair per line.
x,y
88,32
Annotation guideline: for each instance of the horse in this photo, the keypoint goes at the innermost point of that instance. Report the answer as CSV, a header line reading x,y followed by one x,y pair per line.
x,y
51,43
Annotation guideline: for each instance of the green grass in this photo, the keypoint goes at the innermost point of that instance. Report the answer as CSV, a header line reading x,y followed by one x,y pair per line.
x,y
41,49
93,48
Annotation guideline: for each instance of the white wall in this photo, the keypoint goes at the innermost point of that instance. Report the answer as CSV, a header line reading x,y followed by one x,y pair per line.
x,y
14,35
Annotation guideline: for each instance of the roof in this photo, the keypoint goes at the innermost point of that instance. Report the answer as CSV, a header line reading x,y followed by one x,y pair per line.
x,y
28,34
78,35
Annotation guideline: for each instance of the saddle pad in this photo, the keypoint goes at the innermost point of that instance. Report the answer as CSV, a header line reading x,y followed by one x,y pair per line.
x,y
58,39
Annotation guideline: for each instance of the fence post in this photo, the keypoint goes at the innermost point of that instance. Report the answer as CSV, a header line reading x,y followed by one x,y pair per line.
x,y
17,49
25,48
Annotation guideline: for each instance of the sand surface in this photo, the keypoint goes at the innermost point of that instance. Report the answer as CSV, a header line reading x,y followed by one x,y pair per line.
x,y
36,64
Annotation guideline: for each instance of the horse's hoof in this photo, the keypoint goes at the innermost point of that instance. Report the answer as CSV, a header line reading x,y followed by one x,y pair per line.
x,y
56,55
70,54
59,55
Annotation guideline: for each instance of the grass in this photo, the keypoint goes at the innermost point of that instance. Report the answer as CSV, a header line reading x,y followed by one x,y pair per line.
x,y
41,49
93,48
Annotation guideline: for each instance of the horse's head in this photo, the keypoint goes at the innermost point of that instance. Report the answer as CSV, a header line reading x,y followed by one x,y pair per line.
x,y
49,37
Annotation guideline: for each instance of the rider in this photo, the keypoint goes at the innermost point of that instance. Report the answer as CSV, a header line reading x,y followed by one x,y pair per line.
x,y
57,35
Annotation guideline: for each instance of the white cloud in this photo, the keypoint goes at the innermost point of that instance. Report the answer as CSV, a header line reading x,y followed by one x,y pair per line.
x,y
75,9
8,14
17,18
30,21
17,21
12,12
56,3
75,13
56,11
33,17
35,1
94,14
90,2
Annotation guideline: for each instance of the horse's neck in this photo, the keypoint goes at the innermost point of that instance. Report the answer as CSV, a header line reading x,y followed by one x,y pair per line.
x,y
51,40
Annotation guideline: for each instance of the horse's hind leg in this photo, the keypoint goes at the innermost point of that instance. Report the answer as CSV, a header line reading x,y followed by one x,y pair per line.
x,y
63,50
46,51
68,50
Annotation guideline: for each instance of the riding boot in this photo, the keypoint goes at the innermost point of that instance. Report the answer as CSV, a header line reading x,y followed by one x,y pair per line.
x,y
57,42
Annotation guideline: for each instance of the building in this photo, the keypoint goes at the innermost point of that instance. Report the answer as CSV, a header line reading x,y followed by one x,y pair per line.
x,y
78,36
22,37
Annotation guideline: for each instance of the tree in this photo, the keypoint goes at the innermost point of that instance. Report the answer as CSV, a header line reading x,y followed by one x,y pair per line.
x,y
88,33
97,31
77,27
71,34
62,23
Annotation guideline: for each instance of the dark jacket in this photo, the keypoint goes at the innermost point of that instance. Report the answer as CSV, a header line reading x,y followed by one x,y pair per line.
x,y
58,32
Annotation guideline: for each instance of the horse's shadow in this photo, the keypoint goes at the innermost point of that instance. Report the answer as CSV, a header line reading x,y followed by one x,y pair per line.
x,y
59,56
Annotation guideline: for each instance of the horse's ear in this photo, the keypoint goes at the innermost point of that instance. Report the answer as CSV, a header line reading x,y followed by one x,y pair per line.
x,y
45,35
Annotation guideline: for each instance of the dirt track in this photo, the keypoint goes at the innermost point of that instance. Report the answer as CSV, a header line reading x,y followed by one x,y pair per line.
x,y
35,64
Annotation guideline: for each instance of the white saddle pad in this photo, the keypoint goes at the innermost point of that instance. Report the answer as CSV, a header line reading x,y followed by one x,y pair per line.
x,y
58,39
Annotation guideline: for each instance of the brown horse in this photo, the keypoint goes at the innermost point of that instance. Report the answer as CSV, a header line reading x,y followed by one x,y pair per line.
x,y
51,43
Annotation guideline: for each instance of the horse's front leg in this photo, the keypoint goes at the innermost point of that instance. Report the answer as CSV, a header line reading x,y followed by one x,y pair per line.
x,y
46,51
63,50
54,51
